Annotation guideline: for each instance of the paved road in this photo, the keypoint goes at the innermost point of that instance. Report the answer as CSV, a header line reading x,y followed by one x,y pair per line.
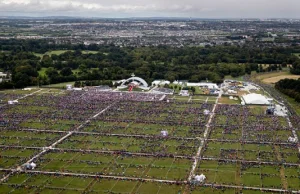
x,y
205,137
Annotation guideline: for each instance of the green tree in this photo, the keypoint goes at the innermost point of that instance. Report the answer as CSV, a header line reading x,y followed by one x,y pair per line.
x,y
66,71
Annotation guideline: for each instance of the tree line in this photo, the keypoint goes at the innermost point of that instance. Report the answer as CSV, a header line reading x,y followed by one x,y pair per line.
x,y
20,57
289,87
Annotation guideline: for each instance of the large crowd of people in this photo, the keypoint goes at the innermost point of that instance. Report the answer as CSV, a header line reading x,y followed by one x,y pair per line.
x,y
76,107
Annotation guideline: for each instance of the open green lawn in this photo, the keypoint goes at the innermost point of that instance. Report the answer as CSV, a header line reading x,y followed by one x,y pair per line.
x,y
60,85
59,52
226,100
297,54
89,52
42,72
295,105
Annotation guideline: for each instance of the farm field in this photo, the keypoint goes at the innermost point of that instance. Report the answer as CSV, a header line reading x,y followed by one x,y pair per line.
x,y
273,80
112,142
273,77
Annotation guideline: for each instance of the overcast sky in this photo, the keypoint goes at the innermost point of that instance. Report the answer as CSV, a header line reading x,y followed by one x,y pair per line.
x,y
153,8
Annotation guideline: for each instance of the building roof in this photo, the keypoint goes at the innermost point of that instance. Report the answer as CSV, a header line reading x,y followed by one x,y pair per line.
x,y
163,90
256,99
209,85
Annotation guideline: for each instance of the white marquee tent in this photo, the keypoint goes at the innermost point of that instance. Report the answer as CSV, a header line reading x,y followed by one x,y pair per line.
x,y
164,133
200,178
256,99
206,112
33,165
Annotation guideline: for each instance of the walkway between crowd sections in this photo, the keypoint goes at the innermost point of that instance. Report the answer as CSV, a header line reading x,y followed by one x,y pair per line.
x,y
152,89
294,132
288,120
151,180
23,97
206,100
205,137
110,134
148,154
155,136
46,149
7,176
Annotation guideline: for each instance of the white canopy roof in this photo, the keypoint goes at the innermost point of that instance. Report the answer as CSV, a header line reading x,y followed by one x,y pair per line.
x,y
33,165
13,101
256,99
206,112
293,139
200,178
204,84
164,133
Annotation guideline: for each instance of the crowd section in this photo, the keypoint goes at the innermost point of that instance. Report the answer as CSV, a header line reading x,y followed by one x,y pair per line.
x,y
119,134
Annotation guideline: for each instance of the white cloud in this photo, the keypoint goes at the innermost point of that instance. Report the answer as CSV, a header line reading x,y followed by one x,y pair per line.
x,y
118,8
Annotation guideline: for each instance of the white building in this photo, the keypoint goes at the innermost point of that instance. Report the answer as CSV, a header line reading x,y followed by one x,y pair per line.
x,y
184,93
2,76
203,85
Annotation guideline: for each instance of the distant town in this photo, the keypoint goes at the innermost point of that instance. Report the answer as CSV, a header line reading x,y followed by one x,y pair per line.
x,y
137,32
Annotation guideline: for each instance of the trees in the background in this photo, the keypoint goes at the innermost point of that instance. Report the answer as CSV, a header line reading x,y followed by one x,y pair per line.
x,y
114,63
289,87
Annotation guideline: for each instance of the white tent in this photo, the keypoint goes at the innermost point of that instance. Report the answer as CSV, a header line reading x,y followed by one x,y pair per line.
x,y
206,112
13,101
77,89
33,165
232,92
160,82
293,139
184,93
164,133
256,99
200,178
206,85
69,87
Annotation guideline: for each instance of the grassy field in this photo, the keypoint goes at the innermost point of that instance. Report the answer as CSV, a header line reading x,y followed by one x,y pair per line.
x,y
42,72
226,100
59,52
264,76
293,103
273,80
297,54
59,85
